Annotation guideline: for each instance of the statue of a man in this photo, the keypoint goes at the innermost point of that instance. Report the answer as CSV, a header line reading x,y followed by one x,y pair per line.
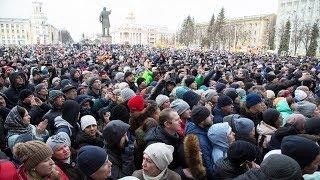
x,y
104,19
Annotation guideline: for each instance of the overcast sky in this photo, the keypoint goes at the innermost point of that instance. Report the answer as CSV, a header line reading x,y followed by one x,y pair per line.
x,y
81,16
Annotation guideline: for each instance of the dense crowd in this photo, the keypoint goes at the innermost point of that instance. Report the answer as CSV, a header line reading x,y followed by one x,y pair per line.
x,y
87,111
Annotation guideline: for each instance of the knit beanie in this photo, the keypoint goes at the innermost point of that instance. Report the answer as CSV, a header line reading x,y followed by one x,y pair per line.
x,y
91,158
241,151
297,120
313,126
127,94
180,91
188,81
220,86
39,87
136,103
119,76
270,94
55,80
180,106
53,94
231,92
199,114
24,94
224,101
300,95
191,98
120,112
66,85
279,166
301,149
161,154
32,153
253,99
160,99
243,126
59,139
306,108
208,94
270,116
86,121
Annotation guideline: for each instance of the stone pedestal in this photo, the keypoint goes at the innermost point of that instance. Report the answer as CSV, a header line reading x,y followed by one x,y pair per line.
x,y
107,40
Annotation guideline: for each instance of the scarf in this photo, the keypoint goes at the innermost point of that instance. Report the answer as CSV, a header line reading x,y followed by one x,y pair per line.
x,y
15,125
162,175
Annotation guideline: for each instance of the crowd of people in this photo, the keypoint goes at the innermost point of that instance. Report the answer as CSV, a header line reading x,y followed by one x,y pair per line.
x,y
87,111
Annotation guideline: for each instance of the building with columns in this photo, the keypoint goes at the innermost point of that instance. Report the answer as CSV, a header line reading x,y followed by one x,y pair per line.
x,y
302,14
135,34
35,30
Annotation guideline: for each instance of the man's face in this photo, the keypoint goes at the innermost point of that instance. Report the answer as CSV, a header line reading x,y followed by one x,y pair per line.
x,y
44,91
97,84
71,94
186,114
130,78
28,99
59,101
228,109
103,172
76,74
174,123
86,105
207,122
19,80
62,153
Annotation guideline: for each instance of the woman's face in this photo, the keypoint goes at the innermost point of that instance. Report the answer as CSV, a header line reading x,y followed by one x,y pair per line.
x,y
45,167
149,167
2,102
230,137
26,118
62,153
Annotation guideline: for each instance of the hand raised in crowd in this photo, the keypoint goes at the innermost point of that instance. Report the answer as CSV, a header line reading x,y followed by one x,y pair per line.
x,y
41,127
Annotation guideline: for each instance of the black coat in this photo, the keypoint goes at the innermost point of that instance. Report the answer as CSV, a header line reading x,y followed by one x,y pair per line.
x,y
70,170
83,139
51,115
227,170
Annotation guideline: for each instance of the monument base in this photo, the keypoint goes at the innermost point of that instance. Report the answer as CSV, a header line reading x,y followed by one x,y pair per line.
x,y
107,40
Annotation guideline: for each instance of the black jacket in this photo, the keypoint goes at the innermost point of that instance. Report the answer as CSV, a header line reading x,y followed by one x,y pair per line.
x,y
83,139
227,170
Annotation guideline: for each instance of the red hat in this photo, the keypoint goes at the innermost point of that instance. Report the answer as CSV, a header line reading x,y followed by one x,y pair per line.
x,y
136,103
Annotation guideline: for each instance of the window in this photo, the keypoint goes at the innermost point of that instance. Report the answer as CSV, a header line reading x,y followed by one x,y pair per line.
x,y
2,30
18,36
17,26
7,25
2,25
12,26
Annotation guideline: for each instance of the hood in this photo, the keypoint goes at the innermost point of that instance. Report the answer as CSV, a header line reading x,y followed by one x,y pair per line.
x,y
191,128
114,131
217,134
265,129
58,121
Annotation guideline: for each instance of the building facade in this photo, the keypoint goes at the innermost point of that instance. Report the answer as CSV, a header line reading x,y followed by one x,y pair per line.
x,y
135,34
35,30
302,14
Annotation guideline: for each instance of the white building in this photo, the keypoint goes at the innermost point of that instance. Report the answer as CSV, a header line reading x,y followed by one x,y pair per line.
x,y
132,33
302,15
35,30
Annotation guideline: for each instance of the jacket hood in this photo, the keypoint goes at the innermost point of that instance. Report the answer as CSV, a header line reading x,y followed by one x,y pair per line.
x,y
217,134
114,131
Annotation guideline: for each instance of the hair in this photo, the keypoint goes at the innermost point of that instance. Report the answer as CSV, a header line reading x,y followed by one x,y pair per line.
x,y
21,110
153,107
165,116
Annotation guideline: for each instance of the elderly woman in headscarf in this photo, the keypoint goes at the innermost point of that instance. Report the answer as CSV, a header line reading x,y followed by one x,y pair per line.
x,y
18,123
156,158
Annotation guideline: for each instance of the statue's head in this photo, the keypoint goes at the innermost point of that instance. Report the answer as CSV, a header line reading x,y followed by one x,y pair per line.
x,y
104,8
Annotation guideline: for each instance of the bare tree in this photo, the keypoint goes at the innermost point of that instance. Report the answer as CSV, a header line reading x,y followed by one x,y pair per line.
x,y
296,33
306,36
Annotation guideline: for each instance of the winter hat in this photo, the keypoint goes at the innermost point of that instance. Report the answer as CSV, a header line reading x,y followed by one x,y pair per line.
x,y
32,153
301,149
127,94
279,166
66,85
231,92
306,108
53,94
297,120
300,95
217,134
161,99
123,85
243,125
39,87
224,101
235,85
248,85
313,126
270,94
91,81
180,91
59,139
208,94
55,79
284,93
114,131
87,120
270,116
120,112
241,151
91,158
24,94
191,98
253,99
119,76
180,106
136,103
199,114
84,98
220,86
161,154
188,81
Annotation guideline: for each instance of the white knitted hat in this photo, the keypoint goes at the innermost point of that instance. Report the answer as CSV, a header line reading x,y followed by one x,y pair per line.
x,y
86,121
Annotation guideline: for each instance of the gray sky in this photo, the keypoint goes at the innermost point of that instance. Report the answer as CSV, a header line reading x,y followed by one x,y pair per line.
x,y
81,16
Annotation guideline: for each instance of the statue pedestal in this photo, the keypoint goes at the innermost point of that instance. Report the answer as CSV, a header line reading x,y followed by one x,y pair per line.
x,y
106,40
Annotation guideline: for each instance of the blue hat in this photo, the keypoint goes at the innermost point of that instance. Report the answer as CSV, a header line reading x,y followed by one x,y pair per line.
x,y
191,98
253,99
91,158
224,101
220,86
